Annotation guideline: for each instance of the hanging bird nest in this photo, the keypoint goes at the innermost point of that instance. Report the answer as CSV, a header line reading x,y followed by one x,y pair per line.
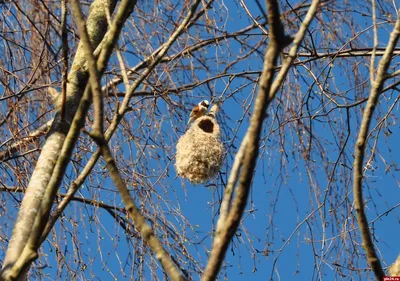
x,y
199,150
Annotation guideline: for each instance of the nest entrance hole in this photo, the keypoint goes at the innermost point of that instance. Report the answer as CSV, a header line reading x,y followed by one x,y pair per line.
x,y
206,125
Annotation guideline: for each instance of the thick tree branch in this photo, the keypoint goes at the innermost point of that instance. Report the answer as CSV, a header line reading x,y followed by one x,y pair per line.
x,y
246,159
35,234
97,26
117,117
394,269
376,90
291,56
111,129
94,75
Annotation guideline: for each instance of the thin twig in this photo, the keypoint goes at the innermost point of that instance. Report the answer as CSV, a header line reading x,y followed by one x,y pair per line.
x,y
375,46
139,221
15,146
124,72
295,47
64,38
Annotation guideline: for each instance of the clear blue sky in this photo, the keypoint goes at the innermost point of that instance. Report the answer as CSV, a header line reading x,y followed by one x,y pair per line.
x,y
275,240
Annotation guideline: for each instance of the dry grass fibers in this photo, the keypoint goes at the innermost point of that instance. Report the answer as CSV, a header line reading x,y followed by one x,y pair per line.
x,y
199,151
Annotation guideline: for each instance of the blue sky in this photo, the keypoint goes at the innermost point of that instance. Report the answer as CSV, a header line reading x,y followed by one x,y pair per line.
x,y
287,200
275,241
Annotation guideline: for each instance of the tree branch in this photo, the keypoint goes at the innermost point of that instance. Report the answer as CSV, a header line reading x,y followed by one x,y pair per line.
x,y
20,262
139,221
245,160
30,206
94,75
16,146
376,90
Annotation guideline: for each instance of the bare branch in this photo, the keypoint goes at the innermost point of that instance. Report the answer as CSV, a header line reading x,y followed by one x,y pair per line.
x,y
246,158
64,36
372,63
394,269
138,220
293,50
30,252
376,89
94,77
15,146
51,150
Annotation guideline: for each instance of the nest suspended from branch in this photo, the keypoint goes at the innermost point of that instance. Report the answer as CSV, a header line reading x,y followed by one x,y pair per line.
x,y
199,151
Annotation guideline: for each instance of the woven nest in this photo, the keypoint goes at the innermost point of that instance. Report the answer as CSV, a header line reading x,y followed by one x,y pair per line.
x,y
199,151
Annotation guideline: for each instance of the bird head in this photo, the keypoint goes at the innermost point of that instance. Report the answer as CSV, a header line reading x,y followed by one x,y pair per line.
x,y
204,103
